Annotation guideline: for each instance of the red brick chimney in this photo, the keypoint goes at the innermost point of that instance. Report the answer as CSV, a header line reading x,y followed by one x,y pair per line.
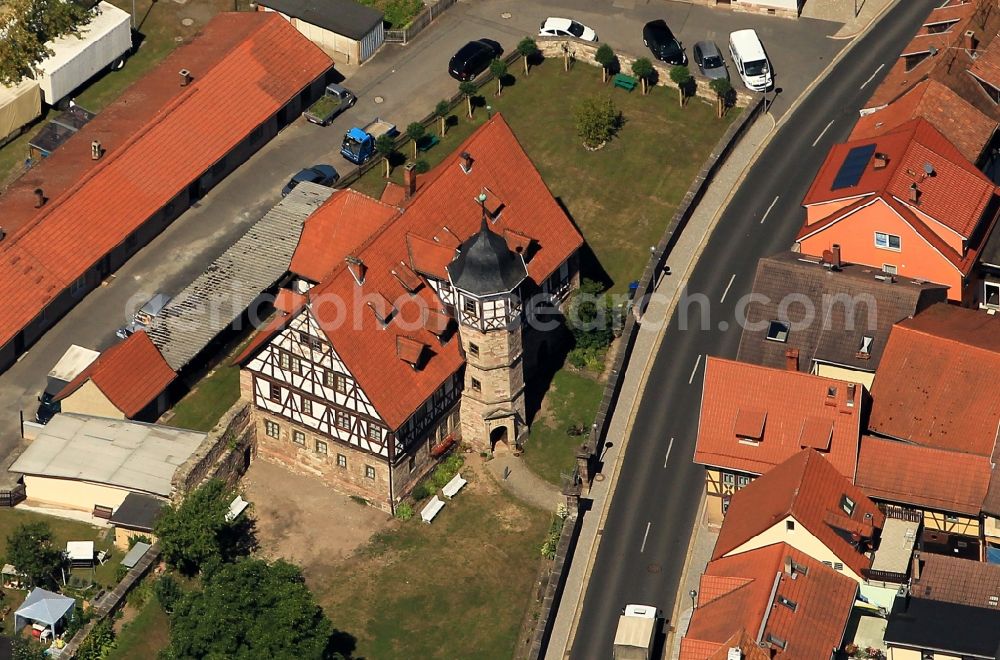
x,y
836,255
39,198
970,40
792,359
410,179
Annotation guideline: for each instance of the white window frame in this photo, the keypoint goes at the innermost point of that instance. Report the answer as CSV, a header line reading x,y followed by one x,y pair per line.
x,y
888,241
344,417
370,472
890,269
325,450
986,297
272,429
341,461
299,438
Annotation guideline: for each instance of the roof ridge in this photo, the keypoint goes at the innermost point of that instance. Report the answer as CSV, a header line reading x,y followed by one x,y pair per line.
x,y
950,340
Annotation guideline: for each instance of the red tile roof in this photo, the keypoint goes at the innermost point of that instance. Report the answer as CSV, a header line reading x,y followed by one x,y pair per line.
x,y
929,388
131,374
822,600
807,488
158,138
956,195
899,472
289,301
335,230
969,129
791,400
986,67
423,236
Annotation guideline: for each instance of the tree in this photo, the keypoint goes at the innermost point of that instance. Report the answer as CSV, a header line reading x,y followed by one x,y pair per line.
x,y
468,89
248,610
596,120
168,592
643,69
416,132
442,110
99,642
591,320
28,25
385,147
31,551
499,70
682,78
195,531
606,58
527,48
723,90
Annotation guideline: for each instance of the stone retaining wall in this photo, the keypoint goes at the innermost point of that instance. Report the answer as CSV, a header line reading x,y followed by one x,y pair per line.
x,y
225,454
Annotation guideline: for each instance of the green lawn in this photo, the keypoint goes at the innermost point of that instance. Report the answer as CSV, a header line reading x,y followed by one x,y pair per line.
x,y
456,589
622,196
144,636
216,393
572,399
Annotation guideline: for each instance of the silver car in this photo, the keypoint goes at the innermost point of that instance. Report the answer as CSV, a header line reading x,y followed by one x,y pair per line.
x,y
708,57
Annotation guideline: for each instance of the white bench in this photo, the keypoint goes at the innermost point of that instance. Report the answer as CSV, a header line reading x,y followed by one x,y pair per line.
x,y
433,507
453,486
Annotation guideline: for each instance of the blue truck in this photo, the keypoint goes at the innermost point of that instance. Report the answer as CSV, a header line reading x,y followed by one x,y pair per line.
x,y
359,143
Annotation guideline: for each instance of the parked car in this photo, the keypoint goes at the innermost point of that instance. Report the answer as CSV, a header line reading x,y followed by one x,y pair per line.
x,y
566,27
662,43
750,60
709,60
473,58
335,100
144,316
324,175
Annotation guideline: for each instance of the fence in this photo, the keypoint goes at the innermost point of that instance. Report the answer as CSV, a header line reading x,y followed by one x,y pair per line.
x,y
419,22
901,513
12,497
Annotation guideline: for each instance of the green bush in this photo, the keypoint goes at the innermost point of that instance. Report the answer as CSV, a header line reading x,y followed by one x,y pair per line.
x,y
404,511
421,167
99,642
168,592
421,491
397,13
444,472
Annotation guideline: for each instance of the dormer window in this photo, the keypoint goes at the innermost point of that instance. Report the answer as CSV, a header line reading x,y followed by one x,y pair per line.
x,y
492,204
865,350
790,604
749,426
847,505
777,331
989,89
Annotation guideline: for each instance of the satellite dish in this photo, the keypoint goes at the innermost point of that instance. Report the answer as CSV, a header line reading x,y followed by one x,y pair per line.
x,y
928,169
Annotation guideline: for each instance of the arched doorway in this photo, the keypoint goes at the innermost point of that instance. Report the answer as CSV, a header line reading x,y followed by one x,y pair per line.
x,y
499,438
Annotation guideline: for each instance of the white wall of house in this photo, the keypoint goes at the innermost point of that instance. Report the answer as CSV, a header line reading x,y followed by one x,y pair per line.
x,y
71,494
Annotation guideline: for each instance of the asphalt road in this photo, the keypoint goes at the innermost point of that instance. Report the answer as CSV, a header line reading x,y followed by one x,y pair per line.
x,y
645,540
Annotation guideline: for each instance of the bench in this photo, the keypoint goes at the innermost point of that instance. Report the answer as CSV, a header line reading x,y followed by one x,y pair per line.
x,y
625,82
433,508
453,486
427,143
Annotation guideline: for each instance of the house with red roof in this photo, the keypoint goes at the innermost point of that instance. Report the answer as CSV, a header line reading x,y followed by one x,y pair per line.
x,y
73,220
754,418
127,381
906,202
935,415
790,605
408,334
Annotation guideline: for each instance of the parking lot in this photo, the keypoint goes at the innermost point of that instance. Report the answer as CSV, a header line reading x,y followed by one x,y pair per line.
x,y
401,84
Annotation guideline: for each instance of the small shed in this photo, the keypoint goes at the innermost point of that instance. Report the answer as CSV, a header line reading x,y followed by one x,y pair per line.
x,y
136,516
348,31
44,610
80,554
135,554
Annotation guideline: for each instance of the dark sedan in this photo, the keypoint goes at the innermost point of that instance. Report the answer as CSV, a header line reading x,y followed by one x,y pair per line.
x,y
662,43
473,58
324,175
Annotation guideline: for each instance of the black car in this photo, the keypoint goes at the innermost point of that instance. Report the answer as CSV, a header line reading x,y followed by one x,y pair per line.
x,y
324,175
662,43
473,58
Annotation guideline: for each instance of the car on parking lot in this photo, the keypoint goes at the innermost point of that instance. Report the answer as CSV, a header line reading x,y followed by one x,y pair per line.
x,y
566,27
662,43
144,316
324,175
473,58
708,57
750,60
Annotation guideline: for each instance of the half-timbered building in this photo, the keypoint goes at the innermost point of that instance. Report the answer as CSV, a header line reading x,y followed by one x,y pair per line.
x,y
405,330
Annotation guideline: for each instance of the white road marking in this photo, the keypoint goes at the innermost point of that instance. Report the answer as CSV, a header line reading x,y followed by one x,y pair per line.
x,y
644,537
880,67
695,370
667,457
728,286
773,202
820,136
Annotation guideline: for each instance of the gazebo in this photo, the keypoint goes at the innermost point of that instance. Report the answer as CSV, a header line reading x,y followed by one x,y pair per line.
x,y
44,610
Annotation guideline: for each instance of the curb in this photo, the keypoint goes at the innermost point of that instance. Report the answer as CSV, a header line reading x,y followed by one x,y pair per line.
x,y
684,572
877,17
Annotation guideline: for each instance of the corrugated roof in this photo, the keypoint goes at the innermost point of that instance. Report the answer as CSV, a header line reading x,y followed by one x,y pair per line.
x,y
169,137
227,288
132,373
809,489
113,452
789,398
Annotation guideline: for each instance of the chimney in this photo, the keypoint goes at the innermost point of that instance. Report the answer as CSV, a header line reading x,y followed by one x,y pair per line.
x,y
835,249
185,77
851,389
39,198
792,359
914,193
357,268
789,565
881,160
916,567
970,40
466,163
96,150
410,179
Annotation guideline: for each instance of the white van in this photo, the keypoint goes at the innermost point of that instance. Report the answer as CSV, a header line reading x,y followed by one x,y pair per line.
x,y
750,60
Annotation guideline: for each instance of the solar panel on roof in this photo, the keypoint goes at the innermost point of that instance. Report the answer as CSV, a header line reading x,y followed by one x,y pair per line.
x,y
853,167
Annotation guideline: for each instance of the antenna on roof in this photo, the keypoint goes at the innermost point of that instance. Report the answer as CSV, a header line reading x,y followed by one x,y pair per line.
x,y
933,51
928,169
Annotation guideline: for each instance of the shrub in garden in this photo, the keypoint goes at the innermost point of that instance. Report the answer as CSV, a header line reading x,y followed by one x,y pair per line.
x,y
404,511
597,119
168,592
643,69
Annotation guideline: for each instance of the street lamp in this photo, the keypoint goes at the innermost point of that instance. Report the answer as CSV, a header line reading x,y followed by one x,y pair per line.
x,y
693,594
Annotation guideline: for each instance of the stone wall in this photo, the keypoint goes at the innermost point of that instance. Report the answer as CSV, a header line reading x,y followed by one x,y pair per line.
x,y
583,51
225,454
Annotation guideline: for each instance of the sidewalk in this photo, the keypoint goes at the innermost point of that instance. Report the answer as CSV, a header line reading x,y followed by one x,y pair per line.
x,y
524,484
681,261
699,553
842,11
